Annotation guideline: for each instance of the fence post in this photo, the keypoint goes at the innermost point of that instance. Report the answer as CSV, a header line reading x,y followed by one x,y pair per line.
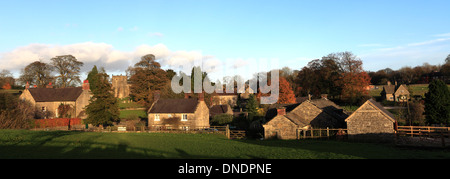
x,y
228,131
328,132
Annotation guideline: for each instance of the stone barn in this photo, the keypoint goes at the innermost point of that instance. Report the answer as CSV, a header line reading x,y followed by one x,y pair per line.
x,y
371,119
318,113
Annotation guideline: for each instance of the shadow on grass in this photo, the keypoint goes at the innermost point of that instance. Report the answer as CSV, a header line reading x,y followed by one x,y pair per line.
x,y
367,149
51,145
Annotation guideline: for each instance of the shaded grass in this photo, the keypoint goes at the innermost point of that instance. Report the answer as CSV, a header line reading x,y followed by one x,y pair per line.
x,y
67,144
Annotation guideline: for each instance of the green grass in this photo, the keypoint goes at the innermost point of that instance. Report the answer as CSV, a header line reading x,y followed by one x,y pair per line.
x,y
125,114
67,144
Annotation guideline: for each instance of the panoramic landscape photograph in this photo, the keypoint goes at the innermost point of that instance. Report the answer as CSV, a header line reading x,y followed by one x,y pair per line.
x,y
207,79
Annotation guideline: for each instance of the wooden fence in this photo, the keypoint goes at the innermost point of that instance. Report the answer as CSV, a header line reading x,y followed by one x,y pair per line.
x,y
423,131
321,133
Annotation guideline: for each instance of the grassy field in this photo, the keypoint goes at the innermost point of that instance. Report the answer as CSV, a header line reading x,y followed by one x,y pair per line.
x,y
67,144
125,114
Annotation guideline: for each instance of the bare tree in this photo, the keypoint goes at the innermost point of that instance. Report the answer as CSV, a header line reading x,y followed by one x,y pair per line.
x,y
38,73
68,68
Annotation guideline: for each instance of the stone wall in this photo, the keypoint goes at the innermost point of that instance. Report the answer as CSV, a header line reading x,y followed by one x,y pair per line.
x,y
280,127
369,120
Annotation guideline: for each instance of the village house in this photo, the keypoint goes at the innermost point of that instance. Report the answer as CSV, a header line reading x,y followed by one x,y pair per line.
x,y
185,114
317,113
371,119
225,98
398,93
49,99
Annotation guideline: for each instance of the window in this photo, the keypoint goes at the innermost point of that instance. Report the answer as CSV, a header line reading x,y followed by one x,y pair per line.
x,y
184,117
43,109
169,115
156,117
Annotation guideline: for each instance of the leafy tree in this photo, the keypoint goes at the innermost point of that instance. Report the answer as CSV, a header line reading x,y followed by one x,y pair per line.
x,y
146,77
93,78
447,60
437,103
252,107
38,73
103,108
286,95
68,69
221,119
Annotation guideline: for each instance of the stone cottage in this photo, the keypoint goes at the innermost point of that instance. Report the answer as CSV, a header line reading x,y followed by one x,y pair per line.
x,y
395,93
49,99
184,114
318,113
371,119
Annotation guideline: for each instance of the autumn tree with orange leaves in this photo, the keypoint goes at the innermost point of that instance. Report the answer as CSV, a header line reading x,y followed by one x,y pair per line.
x,y
286,95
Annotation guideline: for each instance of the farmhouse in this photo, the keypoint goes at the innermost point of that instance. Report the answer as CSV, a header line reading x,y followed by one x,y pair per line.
x,y
318,113
49,99
395,93
186,114
370,119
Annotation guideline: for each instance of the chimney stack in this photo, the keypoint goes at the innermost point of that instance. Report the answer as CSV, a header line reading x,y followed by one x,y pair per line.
x,y
49,85
201,97
281,111
85,85
27,86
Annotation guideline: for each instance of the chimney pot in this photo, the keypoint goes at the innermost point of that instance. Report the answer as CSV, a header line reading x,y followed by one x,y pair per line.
x,y
85,85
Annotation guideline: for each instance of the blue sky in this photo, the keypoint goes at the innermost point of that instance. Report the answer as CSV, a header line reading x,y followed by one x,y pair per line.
x,y
114,34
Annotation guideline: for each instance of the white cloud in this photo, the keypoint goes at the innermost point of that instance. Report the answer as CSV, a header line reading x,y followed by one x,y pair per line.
x,y
412,54
429,42
120,29
101,54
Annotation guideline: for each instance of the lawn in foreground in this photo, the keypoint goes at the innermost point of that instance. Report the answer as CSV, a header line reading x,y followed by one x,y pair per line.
x,y
68,144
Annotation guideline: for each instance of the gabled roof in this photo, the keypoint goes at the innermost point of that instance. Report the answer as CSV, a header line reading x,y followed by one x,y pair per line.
x,y
377,106
402,89
389,89
174,106
294,111
55,94
218,109
330,108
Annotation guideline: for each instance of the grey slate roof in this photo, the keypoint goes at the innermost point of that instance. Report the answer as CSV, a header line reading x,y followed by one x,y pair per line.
x,y
55,94
174,106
